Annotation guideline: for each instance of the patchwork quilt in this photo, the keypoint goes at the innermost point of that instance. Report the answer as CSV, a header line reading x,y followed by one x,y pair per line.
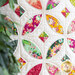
x,y
45,34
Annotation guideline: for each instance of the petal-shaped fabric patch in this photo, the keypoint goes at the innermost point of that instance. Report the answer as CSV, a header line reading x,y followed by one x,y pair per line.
x,y
35,70
13,27
71,43
19,11
6,3
71,27
21,62
52,69
73,71
54,48
52,3
54,24
32,49
35,3
73,2
31,24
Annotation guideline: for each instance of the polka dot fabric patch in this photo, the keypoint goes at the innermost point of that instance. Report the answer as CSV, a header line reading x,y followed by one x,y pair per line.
x,y
45,34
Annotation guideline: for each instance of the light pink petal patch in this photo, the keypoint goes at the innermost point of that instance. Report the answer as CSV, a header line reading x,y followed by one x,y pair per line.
x,y
52,69
35,70
71,27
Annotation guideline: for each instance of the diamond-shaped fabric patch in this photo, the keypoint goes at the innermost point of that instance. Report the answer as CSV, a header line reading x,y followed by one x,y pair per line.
x,y
21,62
65,12
43,36
19,11
65,58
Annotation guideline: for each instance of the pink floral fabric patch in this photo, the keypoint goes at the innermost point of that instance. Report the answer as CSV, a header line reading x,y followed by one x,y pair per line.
x,y
35,70
31,24
52,3
35,3
53,70
71,27
71,43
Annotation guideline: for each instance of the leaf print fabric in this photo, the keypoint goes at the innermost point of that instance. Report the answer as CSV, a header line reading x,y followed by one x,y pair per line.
x,y
32,49
31,24
54,48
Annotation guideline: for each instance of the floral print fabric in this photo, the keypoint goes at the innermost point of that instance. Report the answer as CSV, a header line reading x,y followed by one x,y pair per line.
x,y
71,27
35,70
65,12
53,70
32,49
54,24
73,71
43,36
52,3
71,43
54,48
19,11
21,62
31,24
35,23
35,3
